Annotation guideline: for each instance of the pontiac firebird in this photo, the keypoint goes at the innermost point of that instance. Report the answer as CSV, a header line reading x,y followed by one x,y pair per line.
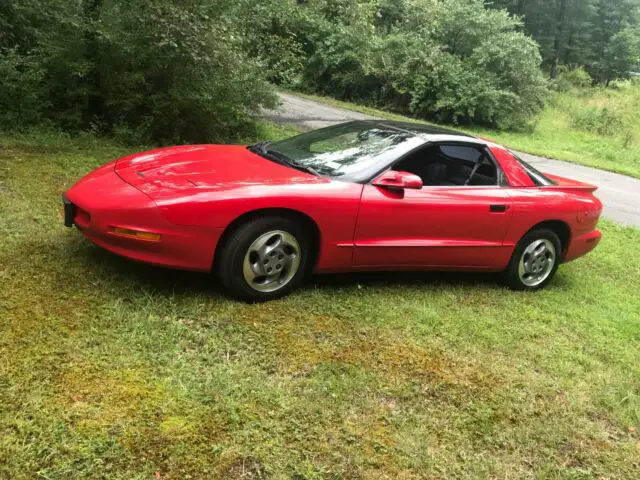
x,y
363,195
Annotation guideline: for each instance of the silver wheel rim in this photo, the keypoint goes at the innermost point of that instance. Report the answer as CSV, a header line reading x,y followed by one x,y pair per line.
x,y
271,261
537,262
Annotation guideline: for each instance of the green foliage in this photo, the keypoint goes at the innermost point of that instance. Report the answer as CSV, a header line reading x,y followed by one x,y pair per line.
x,y
151,72
622,54
598,120
192,71
487,73
269,32
20,77
599,35
571,79
411,56
605,112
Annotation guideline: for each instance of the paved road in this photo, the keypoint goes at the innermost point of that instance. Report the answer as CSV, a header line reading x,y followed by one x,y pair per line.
x,y
619,193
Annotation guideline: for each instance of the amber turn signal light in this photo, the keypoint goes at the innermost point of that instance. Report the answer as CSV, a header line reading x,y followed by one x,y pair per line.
x,y
126,232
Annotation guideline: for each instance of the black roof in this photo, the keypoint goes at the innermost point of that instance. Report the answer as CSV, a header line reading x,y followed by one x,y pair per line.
x,y
419,128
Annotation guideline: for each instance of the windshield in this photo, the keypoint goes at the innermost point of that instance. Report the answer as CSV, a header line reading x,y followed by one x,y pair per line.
x,y
353,151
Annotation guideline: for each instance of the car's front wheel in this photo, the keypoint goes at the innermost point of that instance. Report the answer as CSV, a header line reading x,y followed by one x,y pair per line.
x,y
264,259
534,261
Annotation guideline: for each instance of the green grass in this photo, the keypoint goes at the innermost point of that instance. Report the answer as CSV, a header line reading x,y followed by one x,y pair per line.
x,y
555,135
275,131
112,369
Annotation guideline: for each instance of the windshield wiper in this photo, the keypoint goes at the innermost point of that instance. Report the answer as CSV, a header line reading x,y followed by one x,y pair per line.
x,y
261,148
292,163
304,168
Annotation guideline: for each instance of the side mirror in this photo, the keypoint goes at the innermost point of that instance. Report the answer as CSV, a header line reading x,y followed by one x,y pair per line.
x,y
400,180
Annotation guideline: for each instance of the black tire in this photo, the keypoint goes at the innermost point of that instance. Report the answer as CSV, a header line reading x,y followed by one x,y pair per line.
x,y
512,275
229,264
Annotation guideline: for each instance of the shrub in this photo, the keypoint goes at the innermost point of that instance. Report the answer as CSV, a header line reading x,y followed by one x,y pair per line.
x,y
592,118
451,60
152,72
192,71
487,73
183,77
571,78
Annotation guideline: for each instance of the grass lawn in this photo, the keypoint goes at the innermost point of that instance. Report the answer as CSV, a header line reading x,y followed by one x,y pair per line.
x,y
112,369
554,136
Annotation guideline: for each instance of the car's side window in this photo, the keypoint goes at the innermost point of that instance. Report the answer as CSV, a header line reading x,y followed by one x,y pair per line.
x,y
451,165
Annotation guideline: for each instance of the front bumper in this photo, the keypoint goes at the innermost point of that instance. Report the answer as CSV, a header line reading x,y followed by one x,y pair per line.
x,y
102,202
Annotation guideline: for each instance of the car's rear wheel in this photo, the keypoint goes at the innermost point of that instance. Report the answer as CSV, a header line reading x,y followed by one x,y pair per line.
x,y
264,259
535,261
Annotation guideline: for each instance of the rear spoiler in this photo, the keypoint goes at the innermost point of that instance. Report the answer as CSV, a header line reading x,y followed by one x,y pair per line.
x,y
566,184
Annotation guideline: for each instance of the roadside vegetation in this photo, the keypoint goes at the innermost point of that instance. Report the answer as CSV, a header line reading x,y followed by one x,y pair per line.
x,y
546,76
114,369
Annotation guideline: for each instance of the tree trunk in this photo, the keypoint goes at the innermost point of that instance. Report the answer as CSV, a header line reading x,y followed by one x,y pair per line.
x,y
568,49
557,41
94,104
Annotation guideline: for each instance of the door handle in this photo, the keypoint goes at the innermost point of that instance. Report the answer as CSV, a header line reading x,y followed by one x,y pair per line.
x,y
498,208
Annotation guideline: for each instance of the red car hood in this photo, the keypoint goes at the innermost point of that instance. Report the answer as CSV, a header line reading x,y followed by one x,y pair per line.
x,y
210,167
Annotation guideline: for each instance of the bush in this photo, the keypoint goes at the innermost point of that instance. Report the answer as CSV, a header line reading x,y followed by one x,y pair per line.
x,y
270,32
571,79
452,60
152,72
196,71
603,121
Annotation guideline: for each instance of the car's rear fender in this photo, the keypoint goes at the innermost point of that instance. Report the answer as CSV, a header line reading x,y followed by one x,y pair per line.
x,y
576,212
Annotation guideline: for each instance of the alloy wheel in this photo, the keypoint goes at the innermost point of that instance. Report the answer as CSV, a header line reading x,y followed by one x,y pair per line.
x,y
271,261
537,262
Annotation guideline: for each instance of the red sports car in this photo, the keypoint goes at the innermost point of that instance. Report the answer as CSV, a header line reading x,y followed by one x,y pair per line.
x,y
364,195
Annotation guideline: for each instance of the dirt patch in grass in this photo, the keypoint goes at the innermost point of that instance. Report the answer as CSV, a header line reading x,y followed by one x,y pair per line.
x,y
302,342
98,398
246,468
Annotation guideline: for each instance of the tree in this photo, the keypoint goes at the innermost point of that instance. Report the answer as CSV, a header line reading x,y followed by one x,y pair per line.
x,y
622,55
614,39
581,33
487,72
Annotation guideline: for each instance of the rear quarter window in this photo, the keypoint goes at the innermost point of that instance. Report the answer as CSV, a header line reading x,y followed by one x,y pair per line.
x,y
536,176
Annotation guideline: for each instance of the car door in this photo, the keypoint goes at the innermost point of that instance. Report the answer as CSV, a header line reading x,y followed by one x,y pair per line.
x,y
438,225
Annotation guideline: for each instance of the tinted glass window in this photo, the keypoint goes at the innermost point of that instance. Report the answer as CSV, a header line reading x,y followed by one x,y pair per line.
x,y
535,175
352,151
463,153
451,165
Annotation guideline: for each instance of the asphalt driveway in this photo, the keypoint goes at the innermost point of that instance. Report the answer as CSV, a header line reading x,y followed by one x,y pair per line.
x,y
619,193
